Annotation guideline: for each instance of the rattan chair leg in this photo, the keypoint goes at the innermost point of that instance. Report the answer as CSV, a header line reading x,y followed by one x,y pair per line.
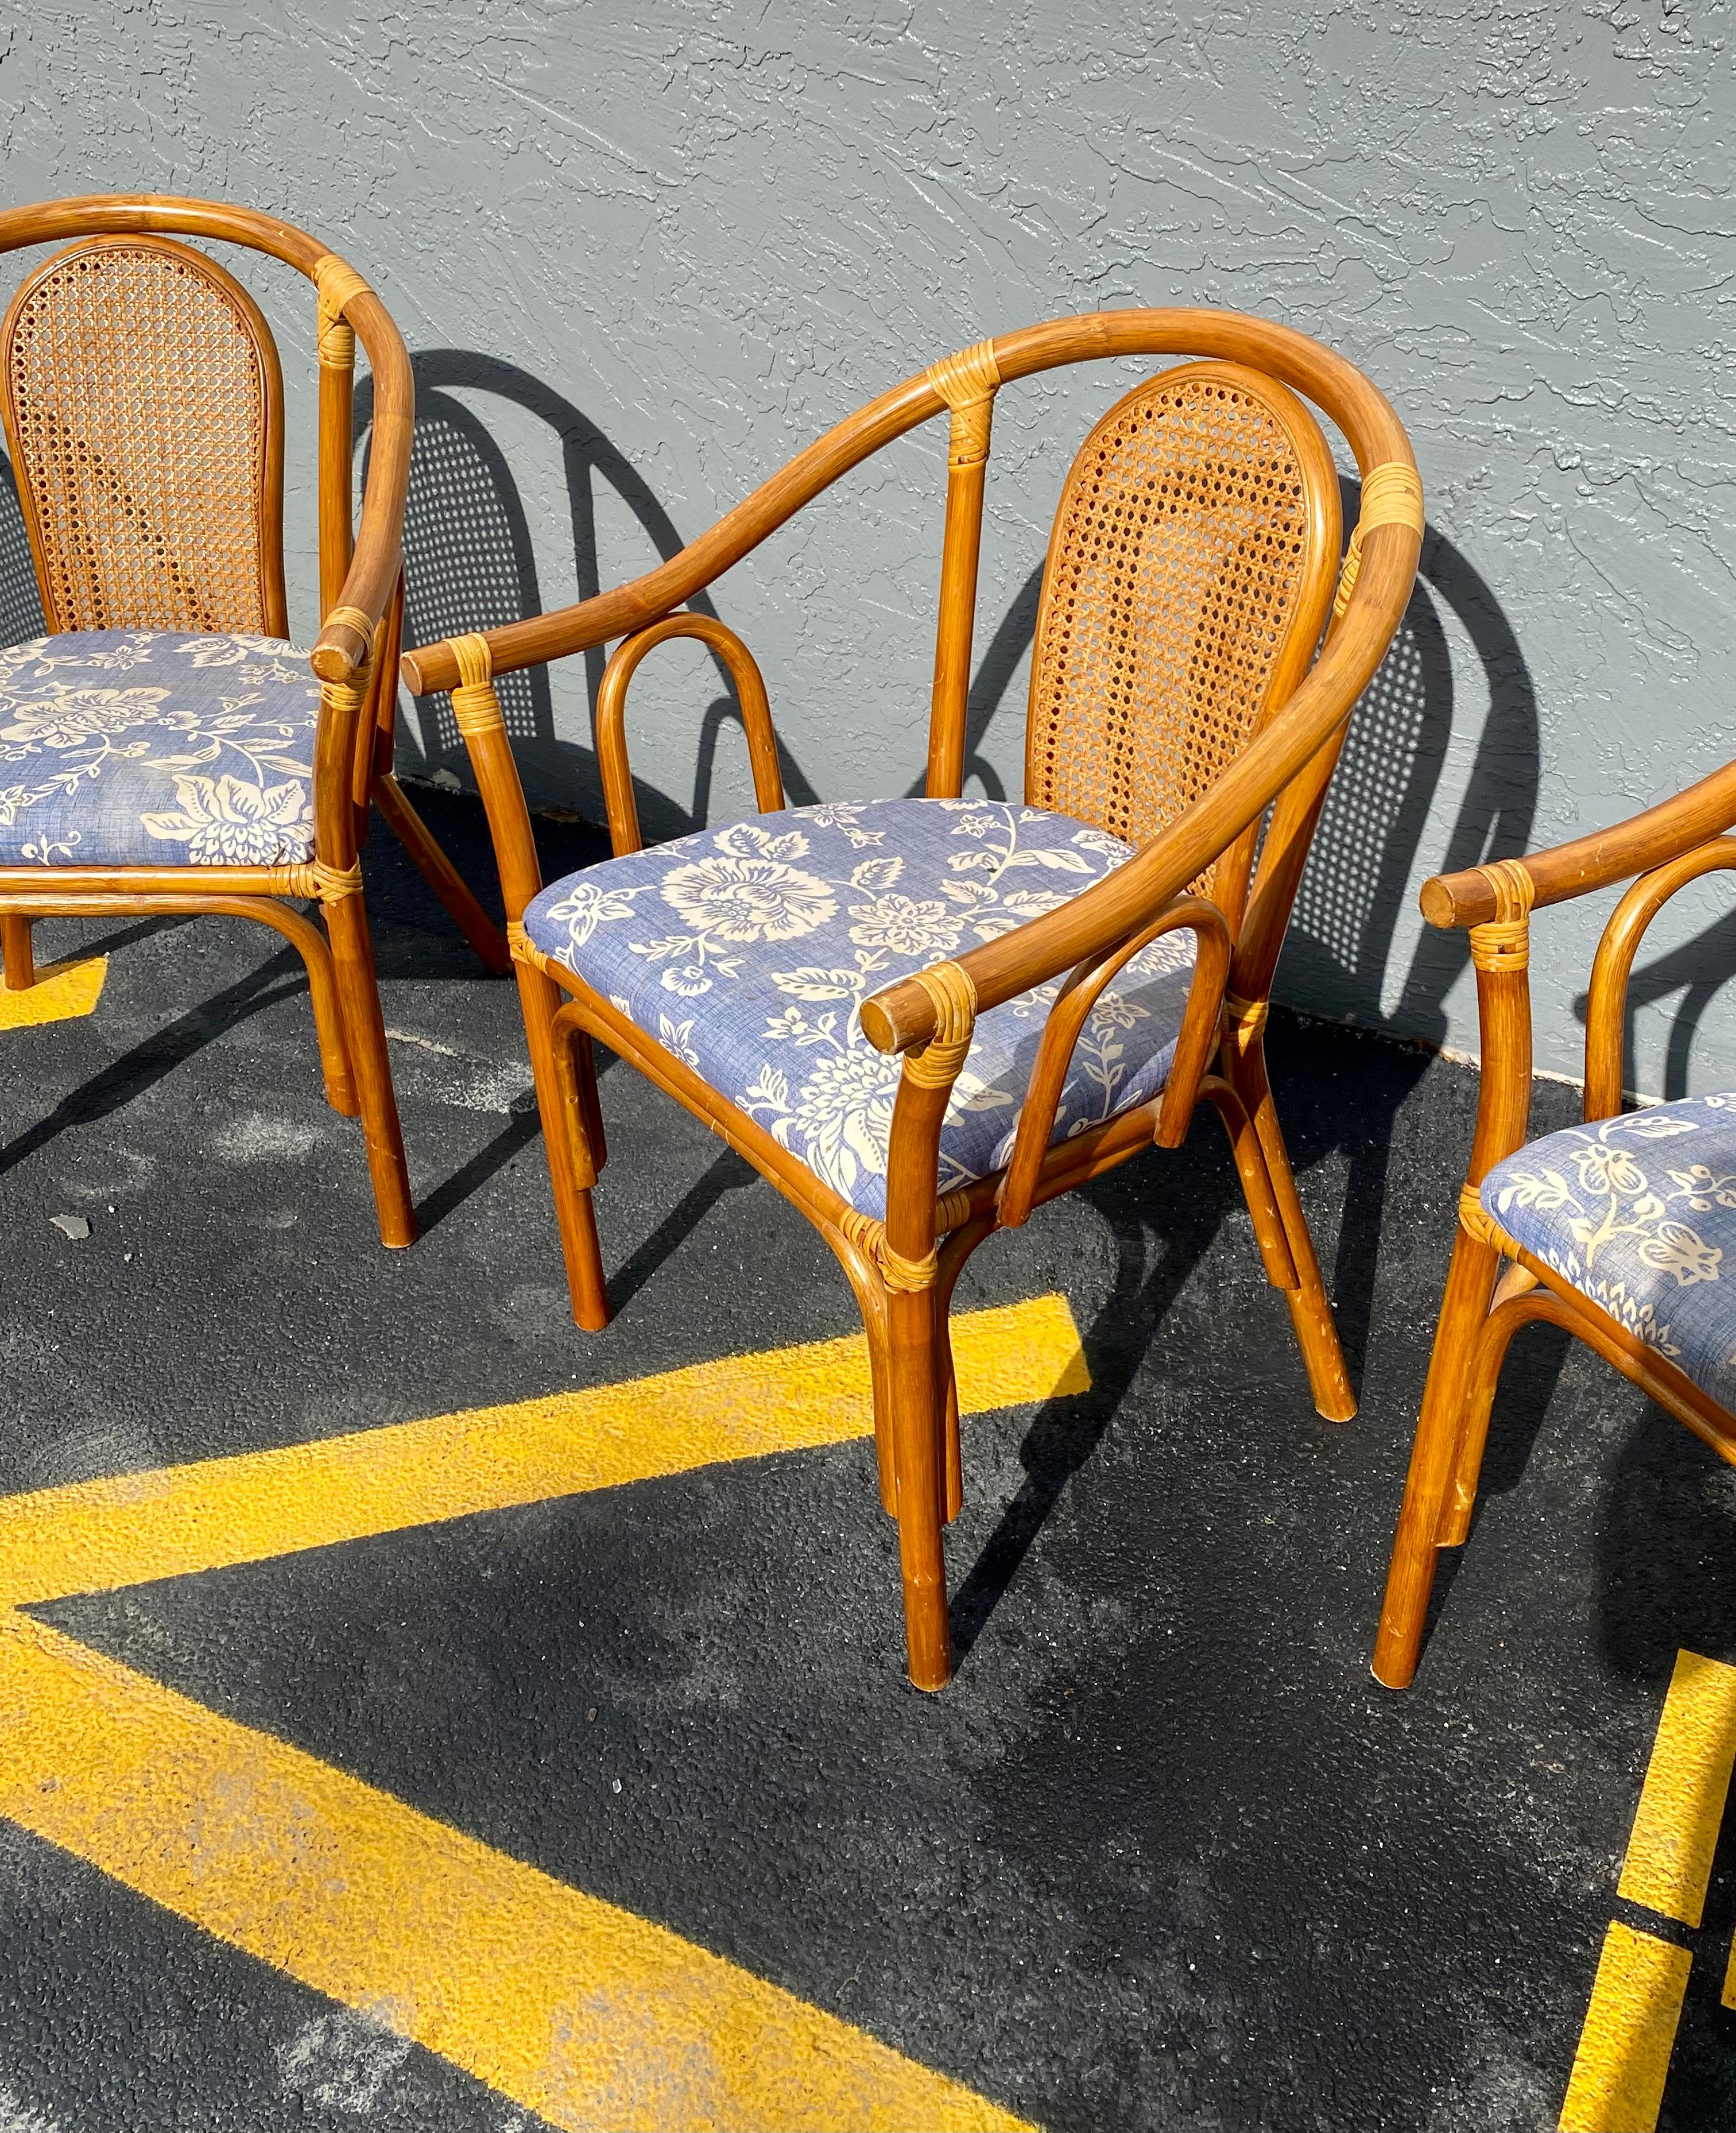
x,y
15,952
955,1250
1410,1577
311,945
1482,1375
566,1097
364,1033
920,1462
1250,1161
441,876
870,1299
1309,1312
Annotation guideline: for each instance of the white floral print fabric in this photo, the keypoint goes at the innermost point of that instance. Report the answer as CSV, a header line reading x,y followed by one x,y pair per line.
x,y
747,951
1639,1213
154,748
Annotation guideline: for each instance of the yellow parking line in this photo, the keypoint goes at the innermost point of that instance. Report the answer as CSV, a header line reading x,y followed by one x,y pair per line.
x,y
1676,1828
568,2004
95,1536
62,992
1618,2070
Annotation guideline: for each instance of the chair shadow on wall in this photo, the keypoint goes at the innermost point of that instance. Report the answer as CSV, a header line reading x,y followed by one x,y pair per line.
x,y
470,564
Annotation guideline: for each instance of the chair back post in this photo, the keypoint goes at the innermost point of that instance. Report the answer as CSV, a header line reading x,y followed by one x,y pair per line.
x,y
377,730
966,381
336,283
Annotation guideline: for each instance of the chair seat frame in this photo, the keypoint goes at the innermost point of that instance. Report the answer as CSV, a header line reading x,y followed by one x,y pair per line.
x,y
903,1269
354,660
1667,846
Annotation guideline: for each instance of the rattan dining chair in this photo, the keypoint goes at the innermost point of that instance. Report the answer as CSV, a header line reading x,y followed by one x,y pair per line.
x,y
164,748
1621,1231
921,1018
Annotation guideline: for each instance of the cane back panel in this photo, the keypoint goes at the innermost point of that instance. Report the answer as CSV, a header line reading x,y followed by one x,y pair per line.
x,y
143,400
1194,547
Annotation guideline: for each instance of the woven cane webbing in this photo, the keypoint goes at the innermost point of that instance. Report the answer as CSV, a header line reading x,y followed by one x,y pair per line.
x,y
138,402
1180,550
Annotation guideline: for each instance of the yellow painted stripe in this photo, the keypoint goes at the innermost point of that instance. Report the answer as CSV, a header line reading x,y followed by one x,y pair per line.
x,y
568,2004
97,1535
1676,1828
1618,2081
62,992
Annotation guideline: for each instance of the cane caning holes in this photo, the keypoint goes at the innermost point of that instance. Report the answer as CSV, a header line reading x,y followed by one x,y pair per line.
x,y
1176,562
138,402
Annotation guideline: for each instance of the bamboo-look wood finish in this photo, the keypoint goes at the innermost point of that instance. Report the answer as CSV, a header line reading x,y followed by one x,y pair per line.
x,y
136,550
1676,843
903,1271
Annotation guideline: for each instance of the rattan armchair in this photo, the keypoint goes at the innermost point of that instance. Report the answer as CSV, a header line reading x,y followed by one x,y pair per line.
x,y
1621,1232
985,1005
164,749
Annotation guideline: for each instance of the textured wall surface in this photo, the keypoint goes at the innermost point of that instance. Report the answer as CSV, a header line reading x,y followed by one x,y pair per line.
x,y
643,253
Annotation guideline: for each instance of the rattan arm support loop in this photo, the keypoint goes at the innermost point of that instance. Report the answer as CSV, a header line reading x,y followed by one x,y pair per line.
x,y
1392,496
1094,922
1066,1024
967,382
750,699
1612,967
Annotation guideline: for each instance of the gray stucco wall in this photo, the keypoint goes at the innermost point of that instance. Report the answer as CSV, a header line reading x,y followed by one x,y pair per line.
x,y
644,253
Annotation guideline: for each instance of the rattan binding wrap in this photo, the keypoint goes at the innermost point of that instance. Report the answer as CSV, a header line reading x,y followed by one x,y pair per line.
x,y
140,396
1174,576
1392,496
475,704
868,1236
1503,942
337,282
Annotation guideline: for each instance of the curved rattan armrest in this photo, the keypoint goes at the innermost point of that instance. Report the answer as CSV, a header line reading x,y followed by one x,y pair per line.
x,y
1066,1024
1357,408
343,648
1645,840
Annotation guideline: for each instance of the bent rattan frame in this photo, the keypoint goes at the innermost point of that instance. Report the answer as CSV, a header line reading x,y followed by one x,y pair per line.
x,y
903,1270
1668,846
239,586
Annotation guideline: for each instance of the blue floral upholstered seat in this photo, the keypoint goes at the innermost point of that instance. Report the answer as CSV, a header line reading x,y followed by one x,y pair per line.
x,y
156,747
747,951
1639,1214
